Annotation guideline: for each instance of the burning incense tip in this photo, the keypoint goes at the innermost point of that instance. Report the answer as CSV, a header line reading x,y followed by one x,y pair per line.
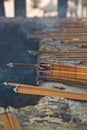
x,y
32,52
5,83
11,65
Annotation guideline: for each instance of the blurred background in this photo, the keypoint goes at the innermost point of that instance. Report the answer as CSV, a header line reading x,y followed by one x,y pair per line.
x,y
43,8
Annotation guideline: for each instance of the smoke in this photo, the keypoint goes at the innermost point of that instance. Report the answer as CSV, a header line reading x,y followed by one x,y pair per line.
x,y
13,46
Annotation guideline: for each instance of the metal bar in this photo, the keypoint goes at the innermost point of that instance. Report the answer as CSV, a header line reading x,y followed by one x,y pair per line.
x,y
34,90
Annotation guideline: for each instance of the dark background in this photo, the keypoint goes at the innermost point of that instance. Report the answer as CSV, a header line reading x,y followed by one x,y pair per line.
x,y
13,48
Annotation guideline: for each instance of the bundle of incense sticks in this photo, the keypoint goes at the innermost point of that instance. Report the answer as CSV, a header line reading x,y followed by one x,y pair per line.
x,y
45,69
62,67
63,71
